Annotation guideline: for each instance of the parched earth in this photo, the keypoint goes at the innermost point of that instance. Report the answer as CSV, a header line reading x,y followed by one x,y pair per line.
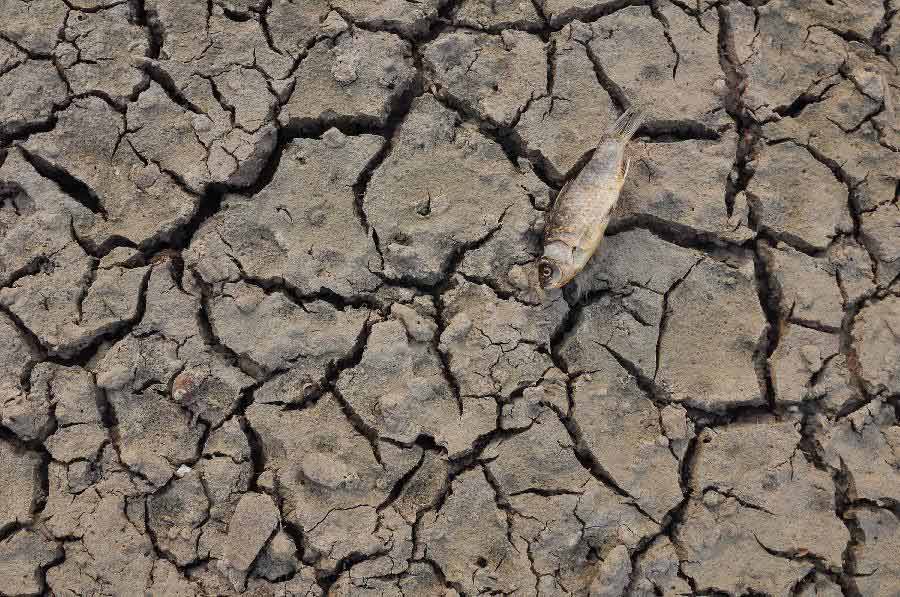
x,y
266,321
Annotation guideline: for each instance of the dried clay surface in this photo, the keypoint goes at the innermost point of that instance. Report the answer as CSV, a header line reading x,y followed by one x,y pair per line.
x,y
268,324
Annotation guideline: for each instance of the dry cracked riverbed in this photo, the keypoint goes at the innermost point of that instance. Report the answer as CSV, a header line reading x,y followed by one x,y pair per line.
x,y
265,324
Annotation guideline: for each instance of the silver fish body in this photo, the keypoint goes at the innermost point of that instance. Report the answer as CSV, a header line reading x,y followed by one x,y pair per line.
x,y
581,212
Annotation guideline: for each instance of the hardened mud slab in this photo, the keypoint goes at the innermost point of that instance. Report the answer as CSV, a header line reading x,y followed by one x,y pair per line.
x,y
269,322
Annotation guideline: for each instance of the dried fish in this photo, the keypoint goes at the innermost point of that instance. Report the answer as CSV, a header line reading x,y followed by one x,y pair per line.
x,y
581,212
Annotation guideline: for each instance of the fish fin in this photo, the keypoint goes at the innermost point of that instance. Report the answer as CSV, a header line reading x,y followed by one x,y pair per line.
x,y
562,192
625,169
626,125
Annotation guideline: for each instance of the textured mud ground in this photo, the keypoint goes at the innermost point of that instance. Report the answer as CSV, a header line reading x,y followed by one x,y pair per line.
x,y
264,318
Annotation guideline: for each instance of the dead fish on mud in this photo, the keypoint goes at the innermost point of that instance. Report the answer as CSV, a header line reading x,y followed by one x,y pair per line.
x,y
581,212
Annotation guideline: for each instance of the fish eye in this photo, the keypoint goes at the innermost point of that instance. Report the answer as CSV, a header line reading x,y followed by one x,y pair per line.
x,y
545,271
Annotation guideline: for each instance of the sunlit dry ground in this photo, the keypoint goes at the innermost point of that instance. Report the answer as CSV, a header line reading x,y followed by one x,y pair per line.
x,y
266,324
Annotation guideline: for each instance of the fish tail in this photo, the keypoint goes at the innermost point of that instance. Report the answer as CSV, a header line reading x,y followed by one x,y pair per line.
x,y
626,125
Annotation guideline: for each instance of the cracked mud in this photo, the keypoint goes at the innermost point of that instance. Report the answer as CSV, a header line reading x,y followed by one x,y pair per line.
x,y
267,324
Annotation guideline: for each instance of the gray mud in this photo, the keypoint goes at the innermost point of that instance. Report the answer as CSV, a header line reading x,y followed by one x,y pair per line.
x,y
266,325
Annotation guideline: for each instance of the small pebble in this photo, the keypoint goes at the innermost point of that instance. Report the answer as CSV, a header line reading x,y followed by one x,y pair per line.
x,y
712,498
